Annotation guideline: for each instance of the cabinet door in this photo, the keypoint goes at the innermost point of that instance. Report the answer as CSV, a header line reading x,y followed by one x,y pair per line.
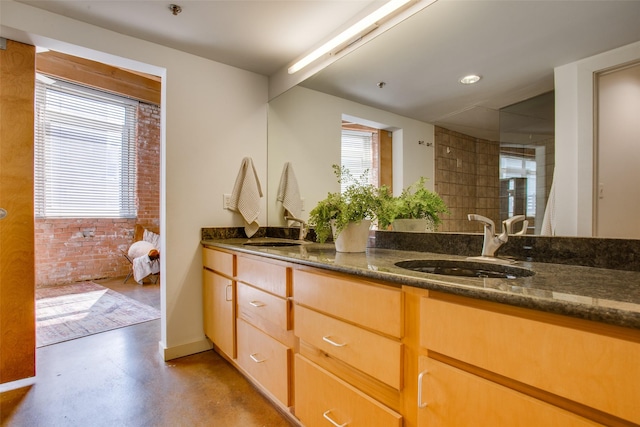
x,y
218,300
265,359
570,358
256,306
322,399
451,397
371,353
365,303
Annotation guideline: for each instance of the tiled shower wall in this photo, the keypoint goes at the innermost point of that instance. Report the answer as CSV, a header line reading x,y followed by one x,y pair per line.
x,y
467,179
70,250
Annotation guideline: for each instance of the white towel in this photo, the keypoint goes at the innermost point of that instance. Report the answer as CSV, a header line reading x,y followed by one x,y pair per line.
x,y
246,194
144,266
289,193
549,220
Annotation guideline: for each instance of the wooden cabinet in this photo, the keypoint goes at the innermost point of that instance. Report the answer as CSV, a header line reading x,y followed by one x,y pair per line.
x,y
584,367
323,399
453,397
340,350
265,359
369,352
264,324
218,300
350,365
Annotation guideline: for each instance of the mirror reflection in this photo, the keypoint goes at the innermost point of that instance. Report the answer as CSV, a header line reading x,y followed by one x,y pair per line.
x,y
494,156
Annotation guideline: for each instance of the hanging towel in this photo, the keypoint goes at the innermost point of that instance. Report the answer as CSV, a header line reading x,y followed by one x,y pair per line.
x,y
289,193
549,220
246,194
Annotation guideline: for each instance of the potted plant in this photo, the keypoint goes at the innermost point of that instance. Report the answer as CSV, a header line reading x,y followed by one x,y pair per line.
x,y
352,211
416,209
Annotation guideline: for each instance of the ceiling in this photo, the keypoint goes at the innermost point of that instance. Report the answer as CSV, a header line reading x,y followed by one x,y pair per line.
x,y
514,45
262,36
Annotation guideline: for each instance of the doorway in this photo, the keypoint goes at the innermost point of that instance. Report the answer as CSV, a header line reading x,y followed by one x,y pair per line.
x,y
97,181
617,201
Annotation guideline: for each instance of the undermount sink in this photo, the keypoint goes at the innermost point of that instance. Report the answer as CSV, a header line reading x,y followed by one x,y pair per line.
x,y
275,243
465,268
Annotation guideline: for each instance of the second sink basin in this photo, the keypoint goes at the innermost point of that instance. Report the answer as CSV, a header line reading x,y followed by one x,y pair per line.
x,y
465,268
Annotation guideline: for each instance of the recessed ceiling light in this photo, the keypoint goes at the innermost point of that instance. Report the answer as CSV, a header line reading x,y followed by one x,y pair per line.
x,y
470,79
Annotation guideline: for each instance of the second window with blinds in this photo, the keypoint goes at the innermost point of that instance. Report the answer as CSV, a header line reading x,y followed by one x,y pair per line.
x,y
367,149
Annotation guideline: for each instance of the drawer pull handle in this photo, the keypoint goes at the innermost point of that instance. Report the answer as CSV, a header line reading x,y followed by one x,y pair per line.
x,y
328,418
257,303
255,359
328,339
420,403
228,296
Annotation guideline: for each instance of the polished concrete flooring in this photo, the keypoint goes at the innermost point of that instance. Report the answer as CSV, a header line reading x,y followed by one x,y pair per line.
x,y
117,378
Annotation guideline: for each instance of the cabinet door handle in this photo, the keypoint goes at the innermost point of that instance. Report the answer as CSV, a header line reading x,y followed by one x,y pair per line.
x,y
420,403
328,339
257,303
328,418
226,293
255,359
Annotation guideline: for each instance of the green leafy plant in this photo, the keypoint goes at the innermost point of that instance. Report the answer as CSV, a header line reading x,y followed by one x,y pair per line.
x,y
415,202
360,200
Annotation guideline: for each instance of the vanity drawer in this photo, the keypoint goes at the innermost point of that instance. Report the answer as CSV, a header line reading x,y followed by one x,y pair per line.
x,y
583,361
254,303
271,277
322,399
371,353
453,397
370,305
265,359
219,261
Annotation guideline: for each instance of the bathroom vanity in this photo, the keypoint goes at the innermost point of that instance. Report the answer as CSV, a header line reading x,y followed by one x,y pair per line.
x,y
352,339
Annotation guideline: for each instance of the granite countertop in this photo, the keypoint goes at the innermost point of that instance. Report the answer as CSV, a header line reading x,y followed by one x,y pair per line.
x,y
603,295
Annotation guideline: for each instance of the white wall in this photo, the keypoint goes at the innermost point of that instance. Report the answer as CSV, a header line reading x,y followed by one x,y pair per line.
x,y
574,170
305,129
213,115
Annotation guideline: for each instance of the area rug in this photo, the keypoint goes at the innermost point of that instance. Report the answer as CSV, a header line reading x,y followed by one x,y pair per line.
x,y
72,311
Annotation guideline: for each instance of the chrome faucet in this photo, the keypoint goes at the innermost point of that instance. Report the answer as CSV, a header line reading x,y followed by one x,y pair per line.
x,y
507,225
491,241
303,226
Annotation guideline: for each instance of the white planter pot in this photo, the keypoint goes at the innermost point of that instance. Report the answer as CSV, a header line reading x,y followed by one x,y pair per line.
x,y
412,225
354,238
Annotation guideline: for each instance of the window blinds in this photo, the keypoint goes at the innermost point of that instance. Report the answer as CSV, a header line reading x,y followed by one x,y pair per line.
x,y
357,154
85,165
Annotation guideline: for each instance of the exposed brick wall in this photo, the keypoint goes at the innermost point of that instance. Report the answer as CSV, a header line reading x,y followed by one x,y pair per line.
x,y
70,250
467,179
148,161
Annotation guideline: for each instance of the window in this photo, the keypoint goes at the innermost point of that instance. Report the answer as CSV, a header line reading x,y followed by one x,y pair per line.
x,y
357,154
85,153
520,167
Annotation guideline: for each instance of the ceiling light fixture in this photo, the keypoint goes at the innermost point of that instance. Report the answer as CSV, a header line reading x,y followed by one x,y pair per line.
x,y
470,79
349,33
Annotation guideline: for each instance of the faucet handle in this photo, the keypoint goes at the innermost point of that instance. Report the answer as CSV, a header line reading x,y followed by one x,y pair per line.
x,y
487,222
507,224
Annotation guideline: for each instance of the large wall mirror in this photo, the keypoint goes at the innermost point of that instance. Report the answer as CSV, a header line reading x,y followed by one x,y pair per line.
x,y
493,148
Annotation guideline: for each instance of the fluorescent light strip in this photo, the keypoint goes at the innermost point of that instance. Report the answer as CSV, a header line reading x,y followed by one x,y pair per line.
x,y
348,34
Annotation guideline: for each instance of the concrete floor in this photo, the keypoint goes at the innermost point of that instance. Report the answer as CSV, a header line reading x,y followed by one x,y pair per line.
x,y
117,378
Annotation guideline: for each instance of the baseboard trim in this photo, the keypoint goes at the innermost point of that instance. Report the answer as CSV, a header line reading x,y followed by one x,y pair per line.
x,y
13,385
169,353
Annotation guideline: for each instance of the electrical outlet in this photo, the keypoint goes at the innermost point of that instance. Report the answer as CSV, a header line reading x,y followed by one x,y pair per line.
x,y
226,201
302,204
